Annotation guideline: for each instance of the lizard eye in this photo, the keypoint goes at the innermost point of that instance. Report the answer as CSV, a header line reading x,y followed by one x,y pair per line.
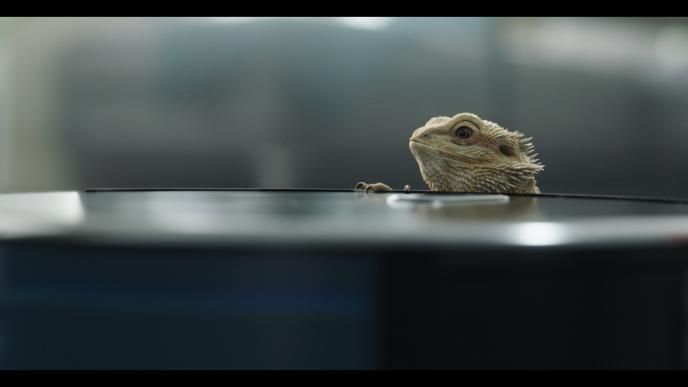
x,y
464,132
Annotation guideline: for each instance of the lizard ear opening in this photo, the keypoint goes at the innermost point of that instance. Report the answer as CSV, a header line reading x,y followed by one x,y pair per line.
x,y
507,151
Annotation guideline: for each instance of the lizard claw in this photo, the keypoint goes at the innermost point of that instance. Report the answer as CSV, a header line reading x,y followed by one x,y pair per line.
x,y
375,187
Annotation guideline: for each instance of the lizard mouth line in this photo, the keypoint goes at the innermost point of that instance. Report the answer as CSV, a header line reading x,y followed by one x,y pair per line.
x,y
445,154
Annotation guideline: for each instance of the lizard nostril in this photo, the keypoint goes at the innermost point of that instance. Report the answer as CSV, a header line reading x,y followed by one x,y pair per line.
x,y
419,133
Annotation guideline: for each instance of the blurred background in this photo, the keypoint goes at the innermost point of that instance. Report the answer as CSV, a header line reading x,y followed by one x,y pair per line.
x,y
327,102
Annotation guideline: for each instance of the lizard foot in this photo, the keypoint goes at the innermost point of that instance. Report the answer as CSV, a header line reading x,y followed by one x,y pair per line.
x,y
375,187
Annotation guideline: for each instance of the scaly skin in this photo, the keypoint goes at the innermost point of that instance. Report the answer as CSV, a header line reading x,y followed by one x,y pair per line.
x,y
465,153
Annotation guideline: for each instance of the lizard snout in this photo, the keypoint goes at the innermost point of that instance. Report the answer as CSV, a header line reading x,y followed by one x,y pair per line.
x,y
419,134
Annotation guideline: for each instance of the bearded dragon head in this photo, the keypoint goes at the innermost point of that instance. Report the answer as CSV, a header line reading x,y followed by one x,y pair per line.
x,y
465,153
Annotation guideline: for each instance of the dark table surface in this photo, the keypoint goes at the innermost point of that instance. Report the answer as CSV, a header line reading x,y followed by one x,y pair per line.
x,y
339,218
199,279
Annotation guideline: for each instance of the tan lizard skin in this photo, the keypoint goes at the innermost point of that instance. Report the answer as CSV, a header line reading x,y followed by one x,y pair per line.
x,y
465,153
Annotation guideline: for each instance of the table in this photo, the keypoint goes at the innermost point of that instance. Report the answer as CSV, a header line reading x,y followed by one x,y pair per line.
x,y
327,279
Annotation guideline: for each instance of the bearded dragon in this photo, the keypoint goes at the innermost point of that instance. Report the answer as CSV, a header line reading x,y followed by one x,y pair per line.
x,y
465,153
